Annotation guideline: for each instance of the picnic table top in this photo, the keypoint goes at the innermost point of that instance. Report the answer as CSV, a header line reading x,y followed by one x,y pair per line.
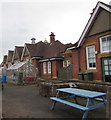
x,y
82,92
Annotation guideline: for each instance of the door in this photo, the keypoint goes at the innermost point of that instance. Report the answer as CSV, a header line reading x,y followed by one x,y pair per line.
x,y
106,65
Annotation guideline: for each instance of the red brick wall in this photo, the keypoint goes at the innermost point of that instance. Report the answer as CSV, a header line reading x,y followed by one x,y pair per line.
x,y
35,62
46,75
94,40
54,69
56,65
76,57
68,56
75,63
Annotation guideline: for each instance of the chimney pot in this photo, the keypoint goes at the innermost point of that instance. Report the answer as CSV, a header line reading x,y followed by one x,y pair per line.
x,y
52,37
33,40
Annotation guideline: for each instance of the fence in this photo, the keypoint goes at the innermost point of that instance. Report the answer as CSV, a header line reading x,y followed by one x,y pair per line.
x,y
65,73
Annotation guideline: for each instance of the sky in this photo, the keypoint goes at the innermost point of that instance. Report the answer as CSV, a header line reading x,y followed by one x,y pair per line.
x,y
23,19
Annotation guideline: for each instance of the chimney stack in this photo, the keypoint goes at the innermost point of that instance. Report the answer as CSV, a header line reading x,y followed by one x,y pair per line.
x,y
52,37
33,41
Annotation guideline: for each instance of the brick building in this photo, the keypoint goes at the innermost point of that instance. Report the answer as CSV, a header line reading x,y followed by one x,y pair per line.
x,y
47,57
92,53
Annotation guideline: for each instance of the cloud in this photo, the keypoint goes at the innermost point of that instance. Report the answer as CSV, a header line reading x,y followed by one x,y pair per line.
x,y
23,19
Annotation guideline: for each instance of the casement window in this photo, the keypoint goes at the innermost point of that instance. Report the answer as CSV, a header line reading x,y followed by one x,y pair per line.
x,y
91,58
66,63
105,44
49,67
44,68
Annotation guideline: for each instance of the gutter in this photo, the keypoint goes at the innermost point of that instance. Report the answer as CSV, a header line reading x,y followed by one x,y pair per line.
x,y
50,59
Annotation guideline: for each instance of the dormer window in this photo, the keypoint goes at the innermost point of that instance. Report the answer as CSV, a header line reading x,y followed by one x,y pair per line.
x,y
105,44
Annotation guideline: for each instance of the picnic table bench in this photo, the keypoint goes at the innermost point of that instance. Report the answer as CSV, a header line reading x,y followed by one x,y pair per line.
x,y
91,97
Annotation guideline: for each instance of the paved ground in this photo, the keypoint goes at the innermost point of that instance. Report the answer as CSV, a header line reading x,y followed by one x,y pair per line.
x,y
25,102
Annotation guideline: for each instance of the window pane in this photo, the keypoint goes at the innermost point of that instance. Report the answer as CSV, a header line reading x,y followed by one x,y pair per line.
x,y
105,62
110,48
106,67
106,73
109,67
64,63
106,44
90,65
109,38
110,62
94,65
105,48
49,67
44,67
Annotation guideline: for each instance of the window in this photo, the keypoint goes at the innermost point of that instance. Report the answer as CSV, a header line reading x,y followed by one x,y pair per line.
x,y
44,67
105,44
66,63
49,67
91,59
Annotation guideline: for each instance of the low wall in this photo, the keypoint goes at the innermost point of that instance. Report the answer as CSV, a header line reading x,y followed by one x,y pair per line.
x,y
48,88
97,86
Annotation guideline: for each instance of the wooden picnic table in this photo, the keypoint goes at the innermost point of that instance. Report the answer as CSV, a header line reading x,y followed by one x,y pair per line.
x,y
91,99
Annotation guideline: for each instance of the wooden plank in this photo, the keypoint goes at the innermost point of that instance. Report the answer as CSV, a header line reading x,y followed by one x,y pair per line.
x,y
69,103
82,92
96,106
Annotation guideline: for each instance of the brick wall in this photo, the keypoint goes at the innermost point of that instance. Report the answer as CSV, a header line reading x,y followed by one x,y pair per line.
x,y
79,57
42,74
75,62
35,62
56,65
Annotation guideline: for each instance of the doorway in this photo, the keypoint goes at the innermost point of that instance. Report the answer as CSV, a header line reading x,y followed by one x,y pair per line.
x,y
106,66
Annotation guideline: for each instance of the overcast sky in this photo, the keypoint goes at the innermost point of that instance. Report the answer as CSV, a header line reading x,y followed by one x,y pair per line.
x,y
24,19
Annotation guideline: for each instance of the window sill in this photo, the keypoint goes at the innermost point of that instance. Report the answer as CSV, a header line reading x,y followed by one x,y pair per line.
x,y
91,70
108,54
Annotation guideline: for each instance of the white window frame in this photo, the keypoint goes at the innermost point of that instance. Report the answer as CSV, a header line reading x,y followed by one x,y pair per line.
x,y
66,63
49,67
63,64
44,68
101,47
88,67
